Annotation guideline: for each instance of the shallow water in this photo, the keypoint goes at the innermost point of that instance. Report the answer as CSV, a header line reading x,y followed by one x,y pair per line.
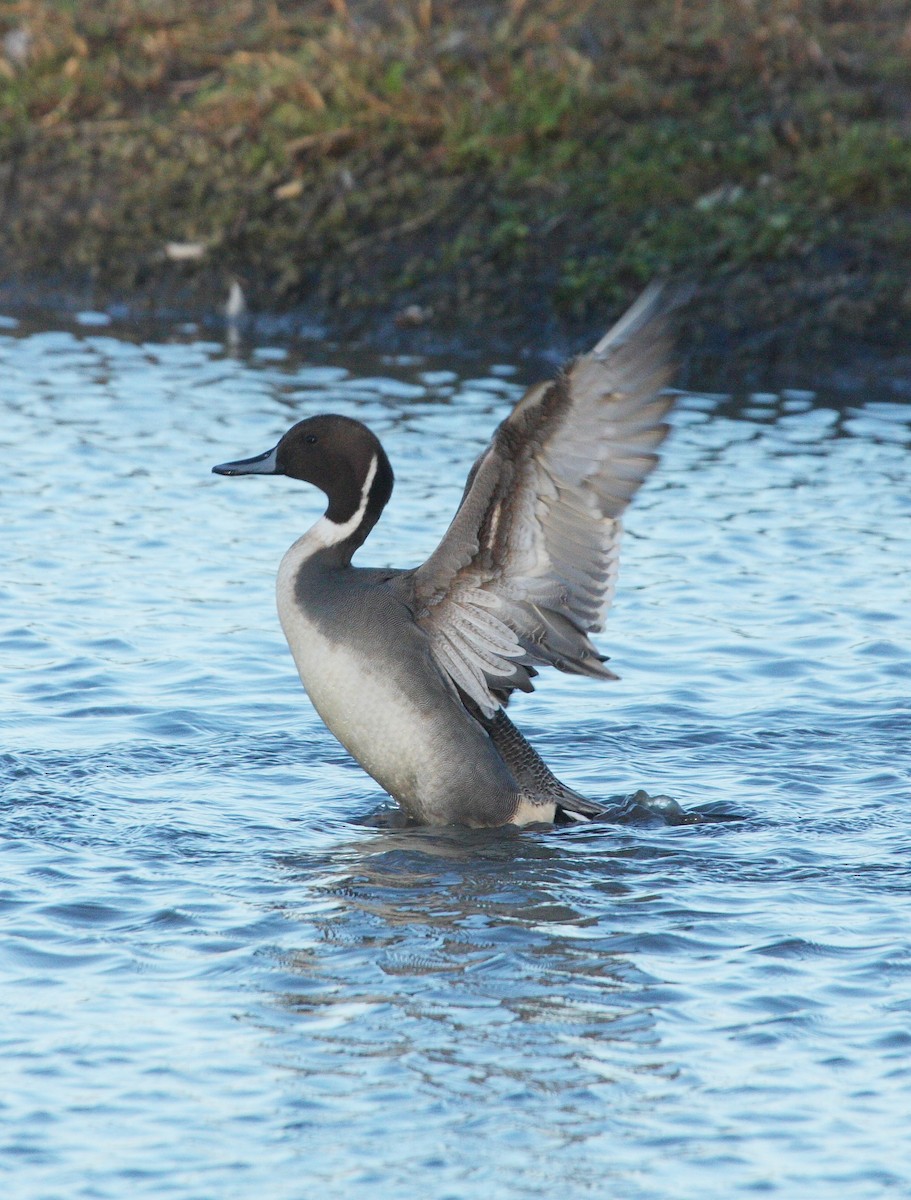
x,y
217,979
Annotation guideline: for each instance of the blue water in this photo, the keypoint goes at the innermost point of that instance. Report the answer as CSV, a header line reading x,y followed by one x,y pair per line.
x,y
219,980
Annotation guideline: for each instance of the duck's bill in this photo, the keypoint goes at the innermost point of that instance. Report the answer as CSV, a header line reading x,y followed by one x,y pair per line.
x,y
261,464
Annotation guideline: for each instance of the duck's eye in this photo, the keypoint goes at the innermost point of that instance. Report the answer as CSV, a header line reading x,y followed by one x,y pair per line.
x,y
311,438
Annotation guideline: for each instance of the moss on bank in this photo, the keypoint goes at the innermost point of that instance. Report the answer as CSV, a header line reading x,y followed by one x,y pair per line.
x,y
500,163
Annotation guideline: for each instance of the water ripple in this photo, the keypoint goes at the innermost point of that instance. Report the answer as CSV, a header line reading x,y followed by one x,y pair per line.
x,y
223,973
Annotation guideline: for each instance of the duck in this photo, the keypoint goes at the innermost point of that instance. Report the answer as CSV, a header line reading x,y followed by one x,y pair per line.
x,y
412,669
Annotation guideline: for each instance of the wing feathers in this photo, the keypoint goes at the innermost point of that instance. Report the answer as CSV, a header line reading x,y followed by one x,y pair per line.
x,y
529,563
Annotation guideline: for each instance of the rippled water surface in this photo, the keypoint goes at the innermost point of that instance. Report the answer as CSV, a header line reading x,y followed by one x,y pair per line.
x,y
219,980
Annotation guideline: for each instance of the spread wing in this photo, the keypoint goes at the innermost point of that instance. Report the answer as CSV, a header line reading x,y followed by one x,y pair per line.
x,y
529,564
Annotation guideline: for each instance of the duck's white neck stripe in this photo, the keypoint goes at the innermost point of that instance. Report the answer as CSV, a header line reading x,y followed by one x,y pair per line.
x,y
327,533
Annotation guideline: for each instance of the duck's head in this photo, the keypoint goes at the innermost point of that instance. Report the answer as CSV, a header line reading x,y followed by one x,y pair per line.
x,y
338,455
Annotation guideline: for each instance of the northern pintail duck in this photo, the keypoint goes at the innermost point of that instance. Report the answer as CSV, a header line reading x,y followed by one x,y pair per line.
x,y
412,669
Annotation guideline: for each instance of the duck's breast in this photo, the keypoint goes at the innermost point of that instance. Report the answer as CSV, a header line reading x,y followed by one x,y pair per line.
x,y
369,672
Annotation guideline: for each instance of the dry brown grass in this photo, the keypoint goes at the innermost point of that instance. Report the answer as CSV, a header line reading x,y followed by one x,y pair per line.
x,y
356,150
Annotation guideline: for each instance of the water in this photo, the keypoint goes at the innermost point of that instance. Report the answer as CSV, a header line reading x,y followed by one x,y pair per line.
x,y
217,979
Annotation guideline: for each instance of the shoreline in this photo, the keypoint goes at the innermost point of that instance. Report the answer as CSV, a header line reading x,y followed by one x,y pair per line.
x,y
711,359
434,177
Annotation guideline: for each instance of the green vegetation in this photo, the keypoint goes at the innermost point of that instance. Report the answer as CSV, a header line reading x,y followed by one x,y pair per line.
x,y
500,163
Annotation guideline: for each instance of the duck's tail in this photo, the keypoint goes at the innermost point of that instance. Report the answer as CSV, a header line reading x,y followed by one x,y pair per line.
x,y
534,776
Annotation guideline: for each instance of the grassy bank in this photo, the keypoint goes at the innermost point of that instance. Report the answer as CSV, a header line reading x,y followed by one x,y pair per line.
x,y
492,165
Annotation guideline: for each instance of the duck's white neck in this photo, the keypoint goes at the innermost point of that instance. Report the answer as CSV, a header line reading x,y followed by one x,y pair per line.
x,y
326,533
